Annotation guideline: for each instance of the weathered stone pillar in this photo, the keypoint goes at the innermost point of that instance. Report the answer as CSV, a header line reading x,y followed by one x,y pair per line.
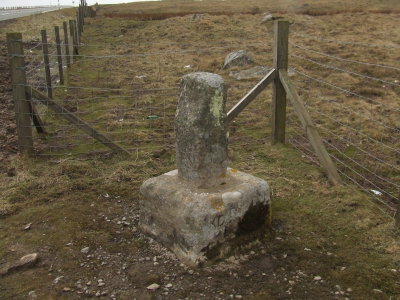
x,y
201,129
199,209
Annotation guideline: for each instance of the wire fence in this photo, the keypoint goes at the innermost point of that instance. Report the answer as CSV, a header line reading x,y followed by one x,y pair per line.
x,y
138,116
353,103
355,106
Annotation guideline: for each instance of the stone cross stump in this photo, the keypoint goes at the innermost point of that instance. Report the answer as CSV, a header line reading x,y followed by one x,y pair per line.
x,y
198,210
201,130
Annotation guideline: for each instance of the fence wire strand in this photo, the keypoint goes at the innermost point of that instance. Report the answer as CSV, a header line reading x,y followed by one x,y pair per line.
x,y
344,59
336,41
344,70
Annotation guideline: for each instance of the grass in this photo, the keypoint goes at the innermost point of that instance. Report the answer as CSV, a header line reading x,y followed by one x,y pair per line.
x,y
30,26
61,200
337,233
310,7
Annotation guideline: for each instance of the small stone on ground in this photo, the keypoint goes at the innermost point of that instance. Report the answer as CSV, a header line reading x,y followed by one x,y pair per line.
x,y
153,287
237,58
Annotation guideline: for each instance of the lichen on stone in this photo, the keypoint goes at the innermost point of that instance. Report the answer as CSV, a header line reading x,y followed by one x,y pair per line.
x,y
217,107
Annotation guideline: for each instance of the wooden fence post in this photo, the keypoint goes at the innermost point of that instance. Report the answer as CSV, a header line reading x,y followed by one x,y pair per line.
x,y
78,19
81,18
74,42
45,49
78,26
77,35
21,103
82,15
66,44
72,34
281,32
85,9
59,54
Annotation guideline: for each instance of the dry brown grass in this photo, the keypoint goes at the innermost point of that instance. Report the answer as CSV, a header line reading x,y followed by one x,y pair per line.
x,y
314,215
30,26
314,7
143,16
231,26
163,16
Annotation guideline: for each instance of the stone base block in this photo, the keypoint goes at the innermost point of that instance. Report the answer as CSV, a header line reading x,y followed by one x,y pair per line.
x,y
196,223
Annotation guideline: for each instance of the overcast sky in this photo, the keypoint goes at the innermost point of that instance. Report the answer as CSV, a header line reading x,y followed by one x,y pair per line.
x,y
6,3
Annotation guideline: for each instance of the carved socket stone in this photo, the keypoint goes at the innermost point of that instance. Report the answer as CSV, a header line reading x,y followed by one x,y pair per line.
x,y
199,210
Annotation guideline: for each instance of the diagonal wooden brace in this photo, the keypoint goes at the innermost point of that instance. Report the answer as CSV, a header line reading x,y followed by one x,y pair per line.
x,y
310,129
250,96
72,118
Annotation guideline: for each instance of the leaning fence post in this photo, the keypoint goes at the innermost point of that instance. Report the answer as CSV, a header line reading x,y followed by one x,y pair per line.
x,y
66,44
59,54
45,49
21,103
281,33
